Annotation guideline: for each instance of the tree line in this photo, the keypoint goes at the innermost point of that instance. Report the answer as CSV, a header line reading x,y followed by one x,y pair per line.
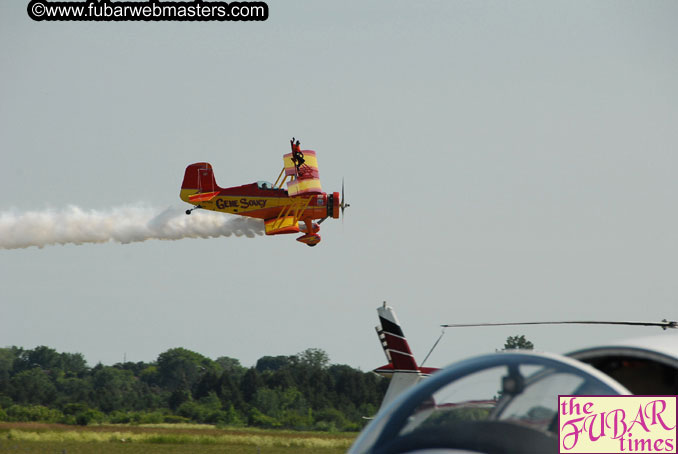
x,y
302,391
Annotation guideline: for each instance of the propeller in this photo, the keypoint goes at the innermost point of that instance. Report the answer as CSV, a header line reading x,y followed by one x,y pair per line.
x,y
343,204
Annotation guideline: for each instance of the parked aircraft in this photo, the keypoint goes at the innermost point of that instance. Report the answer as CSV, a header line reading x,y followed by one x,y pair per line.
x,y
402,367
506,402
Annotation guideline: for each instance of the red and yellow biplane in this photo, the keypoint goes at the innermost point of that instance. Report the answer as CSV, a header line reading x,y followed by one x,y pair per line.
x,y
290,210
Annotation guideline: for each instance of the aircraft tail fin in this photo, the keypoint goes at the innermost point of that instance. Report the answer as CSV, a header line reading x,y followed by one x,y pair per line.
x,y
200,177
394,343
402,367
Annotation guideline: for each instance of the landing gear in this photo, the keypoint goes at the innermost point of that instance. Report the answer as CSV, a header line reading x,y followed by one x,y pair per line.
x,y
310,239
194,208
311,229
304,228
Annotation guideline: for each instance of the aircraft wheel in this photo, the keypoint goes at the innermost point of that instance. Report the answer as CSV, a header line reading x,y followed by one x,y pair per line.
x,y
312,245
188,211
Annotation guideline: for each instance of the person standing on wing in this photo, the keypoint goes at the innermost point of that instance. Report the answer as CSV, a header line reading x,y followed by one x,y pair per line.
x,y
297,155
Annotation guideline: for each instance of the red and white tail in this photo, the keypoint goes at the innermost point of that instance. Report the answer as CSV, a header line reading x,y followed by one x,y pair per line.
x,y
402,367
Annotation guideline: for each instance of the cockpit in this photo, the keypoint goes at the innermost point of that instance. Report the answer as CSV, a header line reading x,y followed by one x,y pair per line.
x,y
505,402
264,185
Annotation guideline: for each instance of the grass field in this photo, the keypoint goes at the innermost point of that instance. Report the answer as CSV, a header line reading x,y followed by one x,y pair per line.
x,y
36,438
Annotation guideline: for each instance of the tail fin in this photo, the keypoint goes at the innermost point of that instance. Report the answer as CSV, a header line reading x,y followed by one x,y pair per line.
x,y
402,368
199,176
394,343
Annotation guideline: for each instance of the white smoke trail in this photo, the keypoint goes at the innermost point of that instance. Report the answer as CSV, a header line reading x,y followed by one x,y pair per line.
x,y
129,224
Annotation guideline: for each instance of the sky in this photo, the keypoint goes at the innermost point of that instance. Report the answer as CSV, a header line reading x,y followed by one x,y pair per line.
x,y
504,161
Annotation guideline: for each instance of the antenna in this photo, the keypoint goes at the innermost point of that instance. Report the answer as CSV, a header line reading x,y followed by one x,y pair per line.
x,y
442,332
664,324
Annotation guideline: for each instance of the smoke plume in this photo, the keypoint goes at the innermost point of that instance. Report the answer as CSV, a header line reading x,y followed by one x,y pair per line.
x,y
129,224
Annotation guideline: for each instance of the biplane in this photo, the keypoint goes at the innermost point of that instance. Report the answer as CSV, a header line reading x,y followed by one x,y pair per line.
x,y
284,211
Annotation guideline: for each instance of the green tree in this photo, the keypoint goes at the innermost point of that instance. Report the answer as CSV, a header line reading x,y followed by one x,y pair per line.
x,y
232,366
229,393
32,386
282,391
314,357
7,358
179,367
136,368
73,364
43,357
73,391
281,378
113,388
518,343
24,413
150,375
330,420
207,384
267,401
273,363
250,383
288,408
179,396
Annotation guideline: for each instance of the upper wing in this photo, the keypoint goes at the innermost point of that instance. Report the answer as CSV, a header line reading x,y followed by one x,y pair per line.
x,y
306,177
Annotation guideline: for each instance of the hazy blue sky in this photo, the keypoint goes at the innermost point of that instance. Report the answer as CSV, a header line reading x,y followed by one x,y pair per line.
x,y
504,161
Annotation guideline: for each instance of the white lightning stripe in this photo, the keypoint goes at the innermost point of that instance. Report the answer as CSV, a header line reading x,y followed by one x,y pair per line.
x,y
399,352
395,335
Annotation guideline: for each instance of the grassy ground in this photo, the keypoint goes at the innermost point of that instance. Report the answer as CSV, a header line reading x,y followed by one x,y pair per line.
x,y
35,438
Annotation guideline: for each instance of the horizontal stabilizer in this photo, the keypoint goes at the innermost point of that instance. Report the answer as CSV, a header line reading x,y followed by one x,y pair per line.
x,y
202,197
400,382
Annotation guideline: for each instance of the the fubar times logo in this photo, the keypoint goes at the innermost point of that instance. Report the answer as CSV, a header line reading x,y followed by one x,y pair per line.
x,y
617,424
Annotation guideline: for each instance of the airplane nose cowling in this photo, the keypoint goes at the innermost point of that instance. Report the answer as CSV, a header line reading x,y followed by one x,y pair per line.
x,y
333,205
